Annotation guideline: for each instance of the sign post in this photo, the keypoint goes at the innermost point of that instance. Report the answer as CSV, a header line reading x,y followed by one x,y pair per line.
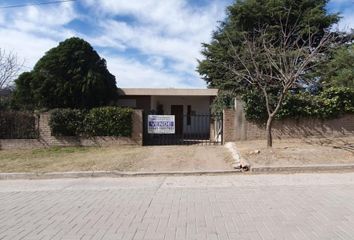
x,y
161,124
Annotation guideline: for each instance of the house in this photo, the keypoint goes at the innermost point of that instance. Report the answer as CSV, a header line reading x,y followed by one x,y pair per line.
x,y
168,100
190,107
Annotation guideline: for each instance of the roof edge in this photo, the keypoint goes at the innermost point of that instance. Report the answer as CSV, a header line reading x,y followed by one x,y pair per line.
x,y
168,91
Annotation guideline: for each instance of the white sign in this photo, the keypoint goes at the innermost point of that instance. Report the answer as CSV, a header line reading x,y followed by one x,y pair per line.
x,y
161,124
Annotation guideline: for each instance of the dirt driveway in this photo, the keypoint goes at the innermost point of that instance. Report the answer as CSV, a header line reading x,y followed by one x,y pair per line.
x,y
120,158
299,152
180,158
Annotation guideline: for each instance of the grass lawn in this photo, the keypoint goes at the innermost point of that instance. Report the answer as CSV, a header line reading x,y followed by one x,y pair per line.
x,y
69,159
120,158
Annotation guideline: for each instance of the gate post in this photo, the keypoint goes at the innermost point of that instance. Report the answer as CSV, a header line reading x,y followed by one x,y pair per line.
x,y
229,126
137,125
212,129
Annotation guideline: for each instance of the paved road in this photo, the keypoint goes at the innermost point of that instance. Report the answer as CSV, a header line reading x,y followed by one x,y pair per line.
x,y
302,206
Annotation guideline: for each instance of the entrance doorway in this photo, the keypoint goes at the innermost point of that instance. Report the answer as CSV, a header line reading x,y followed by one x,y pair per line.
x,y
177,110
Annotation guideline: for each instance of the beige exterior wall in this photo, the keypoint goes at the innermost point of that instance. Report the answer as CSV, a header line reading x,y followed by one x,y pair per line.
x,y
140,102
167,92
199,105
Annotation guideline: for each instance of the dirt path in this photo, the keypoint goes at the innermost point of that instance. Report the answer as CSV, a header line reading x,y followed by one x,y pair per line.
x,y
185,158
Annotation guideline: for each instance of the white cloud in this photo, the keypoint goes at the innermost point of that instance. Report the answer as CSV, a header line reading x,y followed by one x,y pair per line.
x,y
131,73
30,32
167,33
345,8
147,43
157,62
28,48
347,21
171,17
150,42
170,30
50,16
2,18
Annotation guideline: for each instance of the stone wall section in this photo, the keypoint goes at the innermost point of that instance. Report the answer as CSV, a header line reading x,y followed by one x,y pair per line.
x,y
46,139
302,128
137,133
238,128
229,125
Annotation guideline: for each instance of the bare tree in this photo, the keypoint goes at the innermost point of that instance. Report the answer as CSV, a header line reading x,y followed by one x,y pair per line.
x,y
276,61
9,68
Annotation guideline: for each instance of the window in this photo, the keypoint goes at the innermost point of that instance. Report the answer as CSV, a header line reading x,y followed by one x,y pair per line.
x,y
189,113
159,109
127,103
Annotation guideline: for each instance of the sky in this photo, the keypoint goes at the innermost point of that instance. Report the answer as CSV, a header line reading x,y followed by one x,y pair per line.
x,y
147,43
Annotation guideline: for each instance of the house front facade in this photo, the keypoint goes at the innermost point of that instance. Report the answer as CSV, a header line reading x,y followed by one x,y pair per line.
x,y
161,100
190,107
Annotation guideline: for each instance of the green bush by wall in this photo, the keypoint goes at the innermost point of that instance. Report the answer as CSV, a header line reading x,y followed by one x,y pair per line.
x,y
108,121
102,121
330,103
66,122
18,125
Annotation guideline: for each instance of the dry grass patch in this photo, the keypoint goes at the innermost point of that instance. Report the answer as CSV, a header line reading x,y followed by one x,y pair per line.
x,y
120,158
70,159
297,152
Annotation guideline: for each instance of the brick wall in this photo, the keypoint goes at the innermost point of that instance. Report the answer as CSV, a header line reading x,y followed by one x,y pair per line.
x,y
137,133
20,144
301,128
237,128
229,125
47,140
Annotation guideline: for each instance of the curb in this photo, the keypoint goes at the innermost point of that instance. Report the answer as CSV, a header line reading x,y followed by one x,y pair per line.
x,y
239,161
112,174
300,169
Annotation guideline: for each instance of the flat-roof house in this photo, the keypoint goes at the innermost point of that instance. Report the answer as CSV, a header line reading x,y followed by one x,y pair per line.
x,y
191,107
165,100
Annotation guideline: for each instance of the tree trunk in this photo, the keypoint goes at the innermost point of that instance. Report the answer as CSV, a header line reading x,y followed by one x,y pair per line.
x,y
269,132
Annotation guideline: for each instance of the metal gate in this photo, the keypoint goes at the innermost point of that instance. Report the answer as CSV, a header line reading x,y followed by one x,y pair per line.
x,y
203,129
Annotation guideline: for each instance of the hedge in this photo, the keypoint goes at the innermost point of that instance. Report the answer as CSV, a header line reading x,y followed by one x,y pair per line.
x,y
329,103
102,121
18,125
108,121
67,122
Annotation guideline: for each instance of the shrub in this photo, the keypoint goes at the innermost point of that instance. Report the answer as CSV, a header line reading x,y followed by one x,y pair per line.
x,y
103,121
66,122
329,103
109,121
225,99
18,125
254,106
335,101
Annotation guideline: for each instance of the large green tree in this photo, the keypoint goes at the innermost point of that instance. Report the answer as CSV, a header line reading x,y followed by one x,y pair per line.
x,y
246,16
70,75
268,46
339,70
